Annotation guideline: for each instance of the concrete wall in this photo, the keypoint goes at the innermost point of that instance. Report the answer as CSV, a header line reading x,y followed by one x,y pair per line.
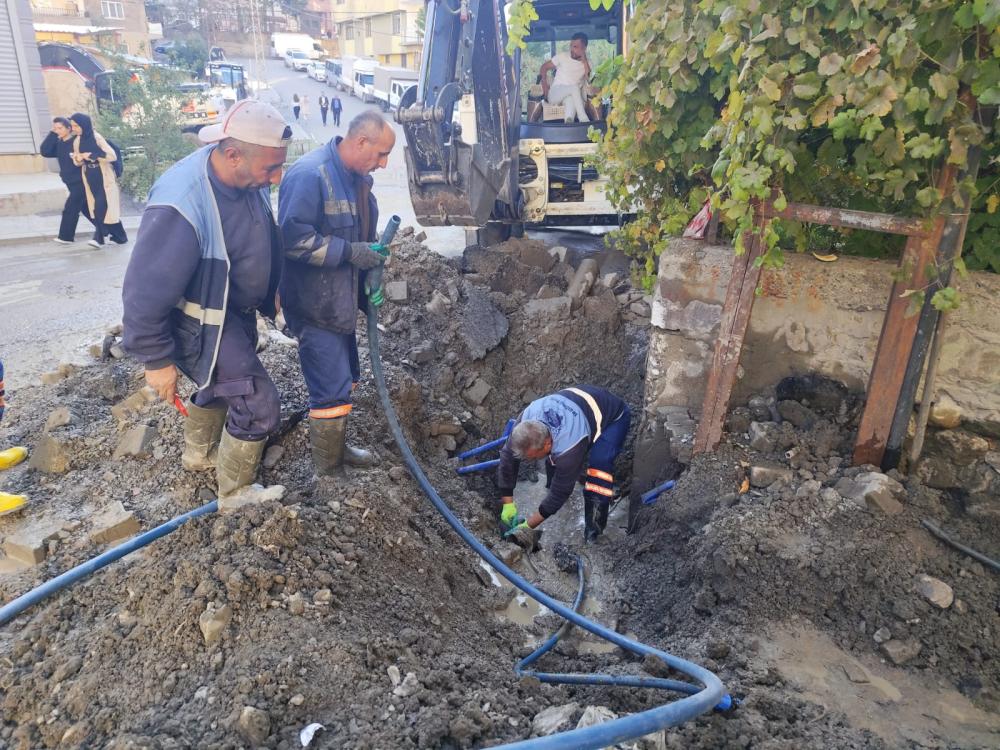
x,y
812,317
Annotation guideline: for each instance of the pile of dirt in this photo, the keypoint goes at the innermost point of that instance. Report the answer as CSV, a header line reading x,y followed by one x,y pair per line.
x,y
348,603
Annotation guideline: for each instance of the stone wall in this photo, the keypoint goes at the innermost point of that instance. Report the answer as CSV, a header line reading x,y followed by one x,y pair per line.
x,y
811,317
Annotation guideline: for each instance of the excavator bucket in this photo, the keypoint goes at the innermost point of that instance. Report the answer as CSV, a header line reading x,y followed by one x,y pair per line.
x,y
461,119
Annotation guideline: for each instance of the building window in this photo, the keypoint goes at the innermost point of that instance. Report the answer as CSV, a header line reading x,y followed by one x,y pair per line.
x,y
397,23
349,31
112,10
368,27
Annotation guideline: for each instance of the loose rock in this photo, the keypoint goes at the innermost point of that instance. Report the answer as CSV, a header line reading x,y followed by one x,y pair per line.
x,y
936,591
254,725
213,621
554,719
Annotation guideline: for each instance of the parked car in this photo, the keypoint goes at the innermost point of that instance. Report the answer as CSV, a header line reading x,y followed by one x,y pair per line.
x,y
296,59
317,71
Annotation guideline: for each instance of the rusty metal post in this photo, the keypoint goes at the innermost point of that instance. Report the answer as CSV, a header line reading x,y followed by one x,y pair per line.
x,y
732,329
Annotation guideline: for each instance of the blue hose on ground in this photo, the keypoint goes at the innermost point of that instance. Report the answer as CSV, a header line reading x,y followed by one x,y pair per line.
x,y
712,692
492,444
12,609
472,468
649,497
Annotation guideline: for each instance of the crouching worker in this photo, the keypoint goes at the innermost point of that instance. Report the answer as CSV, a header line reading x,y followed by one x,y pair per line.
x,y
208,256
572,429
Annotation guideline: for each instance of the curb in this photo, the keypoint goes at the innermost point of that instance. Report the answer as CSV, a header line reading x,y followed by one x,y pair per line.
x,y
36,228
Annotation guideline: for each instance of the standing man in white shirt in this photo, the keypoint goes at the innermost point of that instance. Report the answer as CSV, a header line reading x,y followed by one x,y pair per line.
x,y
572,74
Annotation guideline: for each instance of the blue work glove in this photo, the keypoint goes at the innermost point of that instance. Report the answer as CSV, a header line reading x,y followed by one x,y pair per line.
x,y
365,255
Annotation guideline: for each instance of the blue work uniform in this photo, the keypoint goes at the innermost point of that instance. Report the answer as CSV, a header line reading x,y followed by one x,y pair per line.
x,y
588,426
322,208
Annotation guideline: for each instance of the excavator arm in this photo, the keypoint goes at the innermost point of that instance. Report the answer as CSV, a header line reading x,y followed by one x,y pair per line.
x,y
461,120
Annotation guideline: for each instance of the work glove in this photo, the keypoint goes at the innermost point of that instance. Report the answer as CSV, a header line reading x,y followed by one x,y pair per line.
x,y
373,286
508,515
524,536
365,255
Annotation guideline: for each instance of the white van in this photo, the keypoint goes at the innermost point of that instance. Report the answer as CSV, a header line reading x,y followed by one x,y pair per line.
x,y
364,79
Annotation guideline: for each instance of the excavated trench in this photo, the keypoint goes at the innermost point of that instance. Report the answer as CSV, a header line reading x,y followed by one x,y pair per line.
x,y
351,604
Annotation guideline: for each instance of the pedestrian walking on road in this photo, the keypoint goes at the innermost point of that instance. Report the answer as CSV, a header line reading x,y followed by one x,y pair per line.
x,y
328,219
94,156
58,145
336,107
324,105
296,106
305,108
207,258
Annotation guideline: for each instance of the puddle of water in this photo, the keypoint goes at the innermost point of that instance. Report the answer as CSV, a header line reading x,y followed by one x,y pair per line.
x,y
493,574
522,610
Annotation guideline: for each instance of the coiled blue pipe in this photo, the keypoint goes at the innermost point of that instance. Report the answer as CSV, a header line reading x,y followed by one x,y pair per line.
x,y
472,468
13,608
701,700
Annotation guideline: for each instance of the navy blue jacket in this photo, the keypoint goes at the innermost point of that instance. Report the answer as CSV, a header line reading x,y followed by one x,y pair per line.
x,y
56,148
318,216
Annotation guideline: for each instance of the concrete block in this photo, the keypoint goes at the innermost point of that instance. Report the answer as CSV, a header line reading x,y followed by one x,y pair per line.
x,y
397,291
30,545
136,442
136,403
59,417
113,523
478,392
253,494
50,455
557,308
766,474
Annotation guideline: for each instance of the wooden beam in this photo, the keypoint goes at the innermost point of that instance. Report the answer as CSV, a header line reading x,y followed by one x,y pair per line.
x,y
732,329
848,219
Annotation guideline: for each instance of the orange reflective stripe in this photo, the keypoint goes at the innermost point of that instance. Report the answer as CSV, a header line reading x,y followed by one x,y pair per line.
x,y
598,489
600,475
330,412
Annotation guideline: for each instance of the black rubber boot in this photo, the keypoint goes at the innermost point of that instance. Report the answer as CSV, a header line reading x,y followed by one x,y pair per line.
x,y
601,515
590,530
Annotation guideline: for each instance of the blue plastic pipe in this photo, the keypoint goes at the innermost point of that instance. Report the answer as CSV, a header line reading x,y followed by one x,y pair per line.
x,y
711,691
648,498
492,444
13,608
472,468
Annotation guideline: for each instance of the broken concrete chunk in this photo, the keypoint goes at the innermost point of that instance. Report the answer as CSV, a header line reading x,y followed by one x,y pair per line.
x,y
593,715
213,621
762,436
936,591
113,523
640,308
765,475
799,415
58,418
957,446
559,253
254,725
136,442
900,652
30,545
422,353
394,675
253,494
533,253
582,281
50,456
438,304
554,719
136,403
552,307
272,456
397,292
874,491
945,413
478,392
408,686
483,325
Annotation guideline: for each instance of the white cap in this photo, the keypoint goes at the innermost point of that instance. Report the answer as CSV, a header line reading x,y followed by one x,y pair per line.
x,y
250,121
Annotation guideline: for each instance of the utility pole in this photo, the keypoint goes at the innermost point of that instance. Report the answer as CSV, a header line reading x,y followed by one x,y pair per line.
x,y
258,66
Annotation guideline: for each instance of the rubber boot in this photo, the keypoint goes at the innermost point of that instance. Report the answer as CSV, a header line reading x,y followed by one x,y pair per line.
x,y
601,515
238,462
11,503
590,530
12,457
202,432
328,438
359,458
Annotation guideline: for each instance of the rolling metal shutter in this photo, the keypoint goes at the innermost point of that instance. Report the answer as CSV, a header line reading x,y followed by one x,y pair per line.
x,y
15,123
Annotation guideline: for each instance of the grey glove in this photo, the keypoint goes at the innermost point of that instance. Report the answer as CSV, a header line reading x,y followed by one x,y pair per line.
x,y
363,257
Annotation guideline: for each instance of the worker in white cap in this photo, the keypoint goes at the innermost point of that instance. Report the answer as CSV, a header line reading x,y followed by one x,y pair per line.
x,y
207,257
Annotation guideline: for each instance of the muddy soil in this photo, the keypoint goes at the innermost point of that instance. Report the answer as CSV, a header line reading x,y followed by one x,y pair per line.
x,y
351,604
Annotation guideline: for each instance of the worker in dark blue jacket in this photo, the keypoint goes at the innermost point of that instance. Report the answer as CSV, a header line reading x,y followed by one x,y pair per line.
x,y
578,427
328,218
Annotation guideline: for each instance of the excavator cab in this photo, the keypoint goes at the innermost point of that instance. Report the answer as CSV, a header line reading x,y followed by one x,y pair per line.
x,y
483,150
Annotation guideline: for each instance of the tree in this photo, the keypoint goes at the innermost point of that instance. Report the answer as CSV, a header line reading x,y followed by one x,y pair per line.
x,y
823,101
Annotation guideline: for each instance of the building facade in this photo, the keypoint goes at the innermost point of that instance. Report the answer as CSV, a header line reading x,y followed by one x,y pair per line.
x,y
384,30
24,117
116,25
